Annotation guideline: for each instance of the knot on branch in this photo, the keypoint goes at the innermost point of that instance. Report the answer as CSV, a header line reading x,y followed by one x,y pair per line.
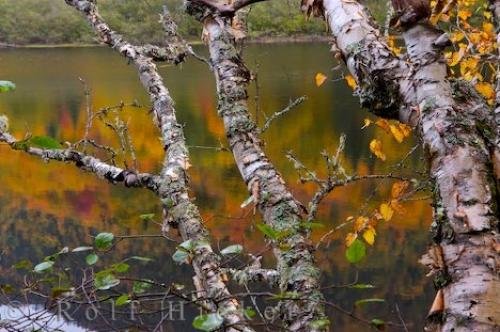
x,y
312,8
199,10
410,12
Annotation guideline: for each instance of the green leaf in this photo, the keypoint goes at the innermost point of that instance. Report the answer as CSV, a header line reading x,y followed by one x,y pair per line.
x,y
365,301
268,231
181,256
312,225
23,265
7,288
356,251
286,295
104,241
249,313
209,322
378,323
140,286
80,249
183,253
91,259
105,280
233,249
147,216
44,142
121,267
44,266
58,291
122,300
187,245
6,86
320,324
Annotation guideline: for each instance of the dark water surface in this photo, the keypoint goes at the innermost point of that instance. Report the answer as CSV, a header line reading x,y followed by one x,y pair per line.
x,y
45,207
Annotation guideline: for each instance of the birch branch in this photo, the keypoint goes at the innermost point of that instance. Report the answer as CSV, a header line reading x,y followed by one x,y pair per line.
x,y
287,109
85,162
280,210
179,211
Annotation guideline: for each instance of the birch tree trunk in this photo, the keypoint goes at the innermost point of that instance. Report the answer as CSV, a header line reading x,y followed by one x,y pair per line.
x,y
495,8
459,134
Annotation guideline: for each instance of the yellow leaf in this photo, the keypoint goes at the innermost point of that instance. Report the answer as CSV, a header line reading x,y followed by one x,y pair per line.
x,y
398,135
457,36
464,14
351,81
398,189
486,89
457,56
469,64
386,211
320,78
367,123
369,235
391,43
489,28
349,239
376,149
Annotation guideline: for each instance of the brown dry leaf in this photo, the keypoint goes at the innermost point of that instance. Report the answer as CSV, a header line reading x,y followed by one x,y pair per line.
x,y
384,124
437,304
319,79
398,189
405,129
360,223
397,207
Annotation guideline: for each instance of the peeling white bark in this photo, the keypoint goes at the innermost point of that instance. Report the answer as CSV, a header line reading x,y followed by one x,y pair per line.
x,y
457,130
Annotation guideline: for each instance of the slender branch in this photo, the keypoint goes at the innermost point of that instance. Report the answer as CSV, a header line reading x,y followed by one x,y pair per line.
x,y
87,163
227,9
287,109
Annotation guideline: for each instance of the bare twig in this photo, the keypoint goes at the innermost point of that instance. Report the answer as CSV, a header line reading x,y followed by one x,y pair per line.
x,y
287,109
